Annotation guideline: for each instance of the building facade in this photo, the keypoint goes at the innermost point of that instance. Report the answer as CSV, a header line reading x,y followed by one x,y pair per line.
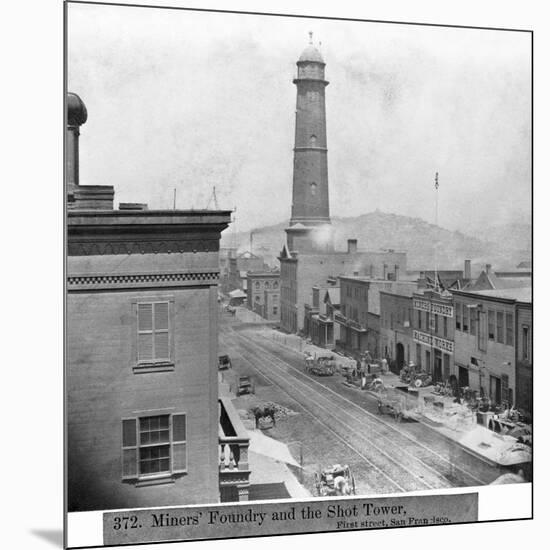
x,y
396,335
263,293
360,315
145,426
433,333
493,330
239,266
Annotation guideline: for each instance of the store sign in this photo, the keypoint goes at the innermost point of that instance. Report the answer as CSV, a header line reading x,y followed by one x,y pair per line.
x,y
433,341
439,309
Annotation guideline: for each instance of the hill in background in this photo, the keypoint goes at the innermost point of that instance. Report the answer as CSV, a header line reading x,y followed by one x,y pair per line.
x,y
502,246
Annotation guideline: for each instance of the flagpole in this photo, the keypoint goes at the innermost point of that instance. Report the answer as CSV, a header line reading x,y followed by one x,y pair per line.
x,y
436,278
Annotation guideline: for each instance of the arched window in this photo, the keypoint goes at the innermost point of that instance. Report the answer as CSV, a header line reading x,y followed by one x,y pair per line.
x,y
313,140
257,298
313,188
257,284
275,284
266,284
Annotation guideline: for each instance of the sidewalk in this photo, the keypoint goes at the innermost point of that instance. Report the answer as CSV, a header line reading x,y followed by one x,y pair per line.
x,y
269,478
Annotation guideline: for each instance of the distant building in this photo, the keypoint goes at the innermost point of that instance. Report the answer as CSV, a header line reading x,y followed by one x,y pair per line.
x,y
318,324
396,333
493,339
145,426
240,265
433,333
225,255
263,293
360,312
490,280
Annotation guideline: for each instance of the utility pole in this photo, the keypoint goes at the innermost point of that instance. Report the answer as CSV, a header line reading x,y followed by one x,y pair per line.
x,y
436,281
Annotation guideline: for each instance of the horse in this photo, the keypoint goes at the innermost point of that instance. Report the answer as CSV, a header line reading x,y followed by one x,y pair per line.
x,y
264,411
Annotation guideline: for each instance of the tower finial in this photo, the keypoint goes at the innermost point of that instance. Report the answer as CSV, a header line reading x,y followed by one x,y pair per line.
x,y
310,37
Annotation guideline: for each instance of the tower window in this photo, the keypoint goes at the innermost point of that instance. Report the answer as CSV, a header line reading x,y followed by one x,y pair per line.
x,y
313,188
313,140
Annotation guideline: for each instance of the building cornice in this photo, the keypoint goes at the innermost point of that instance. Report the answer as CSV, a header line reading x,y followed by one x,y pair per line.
x,y
97,281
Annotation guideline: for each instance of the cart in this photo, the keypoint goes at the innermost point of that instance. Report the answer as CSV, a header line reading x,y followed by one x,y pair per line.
x,y
322,366
245,385
335,481
224,362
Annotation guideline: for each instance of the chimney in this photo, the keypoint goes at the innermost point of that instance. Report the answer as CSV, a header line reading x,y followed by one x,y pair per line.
x,y
468,269
76,117
487,268
81,197
352,246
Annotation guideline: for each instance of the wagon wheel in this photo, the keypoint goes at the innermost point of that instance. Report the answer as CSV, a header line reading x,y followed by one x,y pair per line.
x,y
353,485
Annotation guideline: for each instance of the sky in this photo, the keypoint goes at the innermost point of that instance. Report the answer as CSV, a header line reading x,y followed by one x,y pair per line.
x,y
191,100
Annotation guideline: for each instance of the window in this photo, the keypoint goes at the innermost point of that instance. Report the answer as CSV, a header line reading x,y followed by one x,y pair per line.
x,y
257,298
266,284
153,327
275,284
445,327
418,355
465,318
436,323
491,324
154,446
428,327
275,310
458,313
419,319
500,327
257,284
525,343
509,330
473,320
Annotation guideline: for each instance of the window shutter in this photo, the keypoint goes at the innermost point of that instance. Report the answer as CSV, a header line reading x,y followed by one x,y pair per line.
x,y
129,449
145,317
161,316
161,346
145,332
179,445
145,347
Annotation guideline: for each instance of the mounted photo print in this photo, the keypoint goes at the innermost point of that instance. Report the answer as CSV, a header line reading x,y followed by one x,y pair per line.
x,y
298,274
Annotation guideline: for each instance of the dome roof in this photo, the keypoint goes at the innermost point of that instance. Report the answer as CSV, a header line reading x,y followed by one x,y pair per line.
x,y
311,54
76,110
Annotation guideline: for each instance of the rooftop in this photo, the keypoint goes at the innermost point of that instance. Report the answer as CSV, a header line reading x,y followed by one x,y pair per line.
x,y
520,294
312,54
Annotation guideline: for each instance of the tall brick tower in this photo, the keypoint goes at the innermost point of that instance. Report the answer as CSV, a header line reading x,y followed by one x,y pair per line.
x,y
310,228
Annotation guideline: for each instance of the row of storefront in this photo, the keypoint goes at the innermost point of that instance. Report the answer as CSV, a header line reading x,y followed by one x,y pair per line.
x,y
475,339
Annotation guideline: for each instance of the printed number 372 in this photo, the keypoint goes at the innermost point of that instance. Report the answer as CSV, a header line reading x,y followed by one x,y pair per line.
x,y
125,522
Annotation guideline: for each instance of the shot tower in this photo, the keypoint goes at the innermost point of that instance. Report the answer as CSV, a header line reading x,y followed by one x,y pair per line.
x,y
309,228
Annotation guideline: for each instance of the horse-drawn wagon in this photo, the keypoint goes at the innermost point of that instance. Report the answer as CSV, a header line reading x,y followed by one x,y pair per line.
x,y
335,481
320,366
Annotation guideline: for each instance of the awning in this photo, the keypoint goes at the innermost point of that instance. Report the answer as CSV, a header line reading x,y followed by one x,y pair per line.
x,y
237,293
267,446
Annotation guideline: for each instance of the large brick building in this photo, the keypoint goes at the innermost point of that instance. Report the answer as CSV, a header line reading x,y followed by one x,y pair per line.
x,y
145,426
